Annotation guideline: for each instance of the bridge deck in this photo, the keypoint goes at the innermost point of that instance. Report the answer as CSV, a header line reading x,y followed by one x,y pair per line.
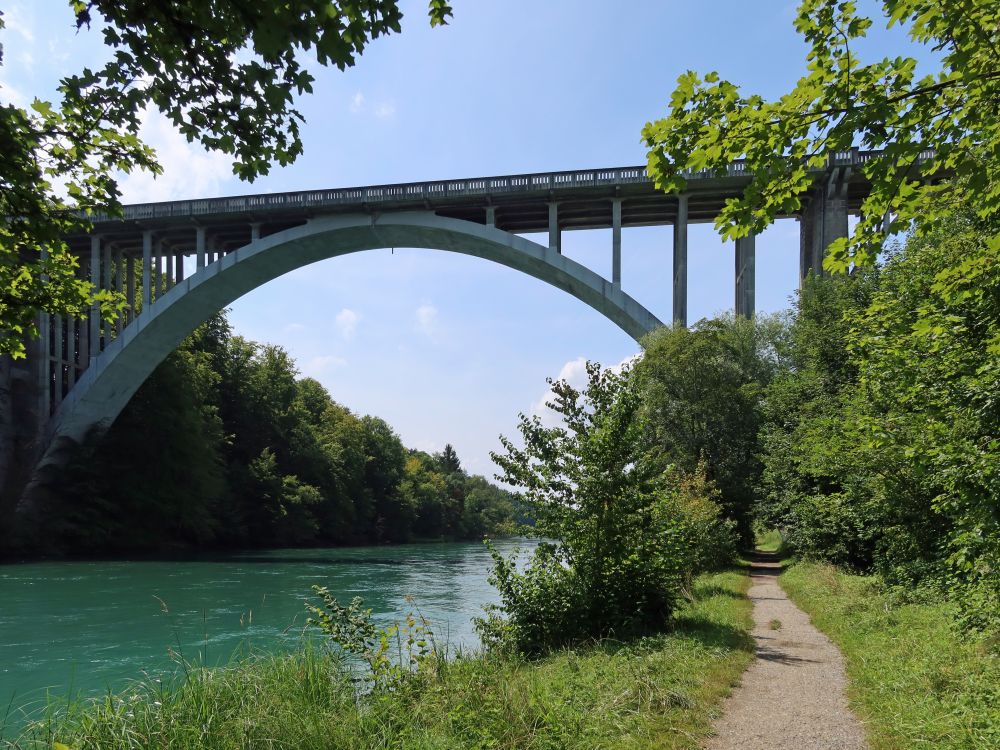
x,y
520,204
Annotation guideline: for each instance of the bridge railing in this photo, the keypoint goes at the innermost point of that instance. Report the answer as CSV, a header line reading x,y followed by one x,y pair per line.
x,y
439,189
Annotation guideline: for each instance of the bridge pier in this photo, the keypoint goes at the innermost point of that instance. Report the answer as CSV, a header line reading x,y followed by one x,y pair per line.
x,y
680,297
616,242
555,240
95,308
147,269
746,276
823,220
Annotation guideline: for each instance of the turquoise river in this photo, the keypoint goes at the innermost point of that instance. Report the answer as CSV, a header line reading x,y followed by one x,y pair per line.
x,y
85,627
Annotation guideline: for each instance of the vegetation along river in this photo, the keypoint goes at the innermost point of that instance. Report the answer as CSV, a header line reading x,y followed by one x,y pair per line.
x,y
83,627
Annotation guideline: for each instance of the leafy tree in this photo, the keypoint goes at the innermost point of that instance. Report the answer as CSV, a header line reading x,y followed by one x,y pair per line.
x,y
816,484
841,102
616,561
155,480
385,459
244,454
702,392
448,460
223,72
928,353
488,510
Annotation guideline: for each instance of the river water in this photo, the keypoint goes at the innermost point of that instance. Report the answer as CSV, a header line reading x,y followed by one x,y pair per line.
x,y
85,627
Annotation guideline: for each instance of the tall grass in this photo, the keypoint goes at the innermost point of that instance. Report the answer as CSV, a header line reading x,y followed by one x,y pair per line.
x,y
656,692
916,680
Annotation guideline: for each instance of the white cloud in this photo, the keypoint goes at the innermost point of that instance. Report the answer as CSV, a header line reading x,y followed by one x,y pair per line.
x,y
188,170
385,110
347,323
11,95
57,54
15,21
294,328
316,366
427,319
382,110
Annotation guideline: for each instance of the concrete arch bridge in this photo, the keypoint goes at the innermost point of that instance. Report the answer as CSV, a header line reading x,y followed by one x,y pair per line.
x,y
198,256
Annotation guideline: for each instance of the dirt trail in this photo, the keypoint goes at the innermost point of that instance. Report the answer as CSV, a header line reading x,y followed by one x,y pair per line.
x,y
792,696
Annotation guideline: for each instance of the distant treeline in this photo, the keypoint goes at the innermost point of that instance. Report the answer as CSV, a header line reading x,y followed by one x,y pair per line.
x,y
224,446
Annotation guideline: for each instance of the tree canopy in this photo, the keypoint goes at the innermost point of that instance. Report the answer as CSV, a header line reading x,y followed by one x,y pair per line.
x,y
225,73
945,124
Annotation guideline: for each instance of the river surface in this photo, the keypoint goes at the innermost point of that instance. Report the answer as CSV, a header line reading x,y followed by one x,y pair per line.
x,y
85,627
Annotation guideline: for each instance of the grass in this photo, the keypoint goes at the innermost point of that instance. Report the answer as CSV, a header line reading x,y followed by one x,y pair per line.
x,y
770,541
656,692
916,681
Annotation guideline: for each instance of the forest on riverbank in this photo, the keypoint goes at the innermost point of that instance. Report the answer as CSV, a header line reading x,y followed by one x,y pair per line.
x,y
225,446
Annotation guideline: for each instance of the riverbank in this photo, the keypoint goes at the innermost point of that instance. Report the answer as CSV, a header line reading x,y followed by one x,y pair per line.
x,y
915,679
657,692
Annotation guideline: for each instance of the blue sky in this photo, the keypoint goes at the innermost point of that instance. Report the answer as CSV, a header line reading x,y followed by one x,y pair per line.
x,y
449,348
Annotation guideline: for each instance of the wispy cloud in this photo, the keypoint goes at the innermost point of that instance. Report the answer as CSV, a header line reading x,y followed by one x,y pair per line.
x,y
317,366
381,110
17,22
188,170
427,317
11,95
294,328
347,323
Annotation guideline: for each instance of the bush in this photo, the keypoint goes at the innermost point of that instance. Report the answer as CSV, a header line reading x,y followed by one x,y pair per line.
x,y
625,534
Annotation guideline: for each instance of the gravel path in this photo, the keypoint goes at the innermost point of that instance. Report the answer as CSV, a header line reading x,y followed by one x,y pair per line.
x,y
792,696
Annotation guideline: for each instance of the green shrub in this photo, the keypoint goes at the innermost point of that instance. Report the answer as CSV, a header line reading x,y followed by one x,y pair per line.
x,y
625,534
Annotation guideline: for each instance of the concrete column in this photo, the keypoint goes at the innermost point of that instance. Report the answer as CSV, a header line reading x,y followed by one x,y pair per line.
x,y
94,332
147,269
616,242
72,326
130,288
58,353
681,263
745,276
44,366
554,238
169,260
200,247
119,287
823,220
807,241
255,231
108,325
158,271
179,267
491,216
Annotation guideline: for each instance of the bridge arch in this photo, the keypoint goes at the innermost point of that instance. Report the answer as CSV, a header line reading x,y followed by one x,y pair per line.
x,y
106,386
